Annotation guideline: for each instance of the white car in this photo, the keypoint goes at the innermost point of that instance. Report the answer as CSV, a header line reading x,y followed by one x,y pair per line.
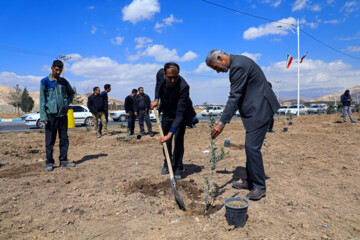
x,y
118,116
282,110
23,117
82,116
317,108
214,110
292,110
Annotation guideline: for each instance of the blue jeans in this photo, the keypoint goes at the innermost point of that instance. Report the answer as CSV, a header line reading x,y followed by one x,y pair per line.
x,y
347,109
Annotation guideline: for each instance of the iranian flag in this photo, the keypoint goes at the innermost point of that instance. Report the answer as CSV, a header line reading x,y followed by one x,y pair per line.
x,y
289,60
303,57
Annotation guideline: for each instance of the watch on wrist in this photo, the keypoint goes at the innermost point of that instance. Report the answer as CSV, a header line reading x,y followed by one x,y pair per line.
x,y
221,124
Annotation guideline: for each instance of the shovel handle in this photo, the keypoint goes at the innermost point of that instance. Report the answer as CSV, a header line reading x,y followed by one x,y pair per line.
x,y
167,156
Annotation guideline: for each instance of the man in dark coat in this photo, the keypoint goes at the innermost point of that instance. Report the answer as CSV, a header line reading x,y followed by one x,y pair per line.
x,y
104,94
176,107
96,106
346,101
142,111
257,103
129,108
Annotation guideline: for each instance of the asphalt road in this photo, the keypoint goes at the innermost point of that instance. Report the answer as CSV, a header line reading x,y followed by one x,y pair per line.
x,y
21,126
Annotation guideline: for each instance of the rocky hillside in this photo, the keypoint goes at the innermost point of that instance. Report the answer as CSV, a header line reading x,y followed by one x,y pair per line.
x,y
354,92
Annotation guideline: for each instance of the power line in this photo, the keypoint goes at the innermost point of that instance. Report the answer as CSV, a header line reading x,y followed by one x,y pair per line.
x,y
271,20
27,51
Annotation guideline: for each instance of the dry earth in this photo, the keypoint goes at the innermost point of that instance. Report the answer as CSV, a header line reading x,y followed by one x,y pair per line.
x,y
116,190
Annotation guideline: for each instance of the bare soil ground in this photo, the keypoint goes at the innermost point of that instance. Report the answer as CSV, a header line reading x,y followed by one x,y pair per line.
x,y
116,190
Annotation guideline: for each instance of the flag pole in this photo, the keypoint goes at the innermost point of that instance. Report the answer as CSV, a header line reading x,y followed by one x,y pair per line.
x,y
298,96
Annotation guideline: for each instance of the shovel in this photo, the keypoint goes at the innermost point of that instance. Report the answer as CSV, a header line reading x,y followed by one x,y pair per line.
x,y
178,198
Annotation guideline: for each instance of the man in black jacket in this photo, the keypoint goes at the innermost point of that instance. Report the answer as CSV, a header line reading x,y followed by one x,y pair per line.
x,y
129,108
104,94
96,106
173,92
142,110
257,103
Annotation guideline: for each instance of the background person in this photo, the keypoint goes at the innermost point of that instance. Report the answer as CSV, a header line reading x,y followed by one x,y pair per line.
x,y
104,94
257,103
55,96
142,110
129,108
176,107
346,101
96,106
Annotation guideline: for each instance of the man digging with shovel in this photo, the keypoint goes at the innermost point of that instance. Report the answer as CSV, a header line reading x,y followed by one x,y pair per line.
x,y
175,104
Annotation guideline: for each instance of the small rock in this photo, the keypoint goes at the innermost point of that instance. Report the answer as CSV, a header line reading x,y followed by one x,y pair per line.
x,y
326,226
67,182
305,225
40,160
175,221
331,216
357,230
324,237
197,219
191,180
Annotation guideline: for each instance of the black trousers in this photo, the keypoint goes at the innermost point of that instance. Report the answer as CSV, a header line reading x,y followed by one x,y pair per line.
x,y
55,125
143,114
254,163
131,122
107,120
177,155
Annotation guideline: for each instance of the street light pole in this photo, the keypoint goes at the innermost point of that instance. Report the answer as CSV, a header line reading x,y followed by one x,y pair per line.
x,y
298,40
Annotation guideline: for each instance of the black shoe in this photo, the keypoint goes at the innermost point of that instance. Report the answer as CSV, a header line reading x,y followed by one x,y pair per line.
x,y
271,131
256,194
67,164
152,134
49,167
177,174
164,170
240,185
353,122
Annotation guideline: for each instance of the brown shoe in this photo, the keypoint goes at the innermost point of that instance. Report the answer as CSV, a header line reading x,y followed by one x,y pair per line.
x,y
240,185
256,194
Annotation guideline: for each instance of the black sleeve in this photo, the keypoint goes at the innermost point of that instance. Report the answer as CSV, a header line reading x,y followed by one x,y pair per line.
x,y
136,104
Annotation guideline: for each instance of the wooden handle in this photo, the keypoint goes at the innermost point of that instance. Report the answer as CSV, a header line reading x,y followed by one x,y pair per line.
x,y
164,145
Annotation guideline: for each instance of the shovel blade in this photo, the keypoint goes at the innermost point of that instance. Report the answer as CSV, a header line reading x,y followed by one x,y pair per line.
x,y
178,198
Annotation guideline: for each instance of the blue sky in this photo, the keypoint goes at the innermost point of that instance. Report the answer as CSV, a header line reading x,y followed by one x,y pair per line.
x,y
124,43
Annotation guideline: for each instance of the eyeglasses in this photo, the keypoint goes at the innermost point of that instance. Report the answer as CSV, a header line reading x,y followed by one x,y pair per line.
x,y
172,77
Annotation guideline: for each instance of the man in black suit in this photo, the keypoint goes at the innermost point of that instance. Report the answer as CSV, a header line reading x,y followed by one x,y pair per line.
x,y
257,103
129,108
176,106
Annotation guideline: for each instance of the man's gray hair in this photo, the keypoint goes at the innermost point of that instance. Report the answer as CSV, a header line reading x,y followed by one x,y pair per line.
x,y
212,56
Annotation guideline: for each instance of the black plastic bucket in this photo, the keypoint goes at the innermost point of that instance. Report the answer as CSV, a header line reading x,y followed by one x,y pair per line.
x,y
236,216
290,123
285,129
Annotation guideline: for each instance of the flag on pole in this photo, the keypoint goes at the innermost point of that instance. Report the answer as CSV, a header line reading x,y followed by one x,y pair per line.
x,y
289,60
302,58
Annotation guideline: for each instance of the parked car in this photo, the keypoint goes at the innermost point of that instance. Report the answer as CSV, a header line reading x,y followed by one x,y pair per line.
x,y
292,110
317,108
152,116
282,110
23,117
82,116
118,116
214,110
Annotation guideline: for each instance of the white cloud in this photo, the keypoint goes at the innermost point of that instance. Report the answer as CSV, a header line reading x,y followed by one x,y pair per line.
x,y
140,10
274,3
32,83
117,40
313,74
349,7
142,42
299,4
353,48
253,56
91,7
270,29
74,57
93,30
334,21
203,68
163,54
316,8
166,22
